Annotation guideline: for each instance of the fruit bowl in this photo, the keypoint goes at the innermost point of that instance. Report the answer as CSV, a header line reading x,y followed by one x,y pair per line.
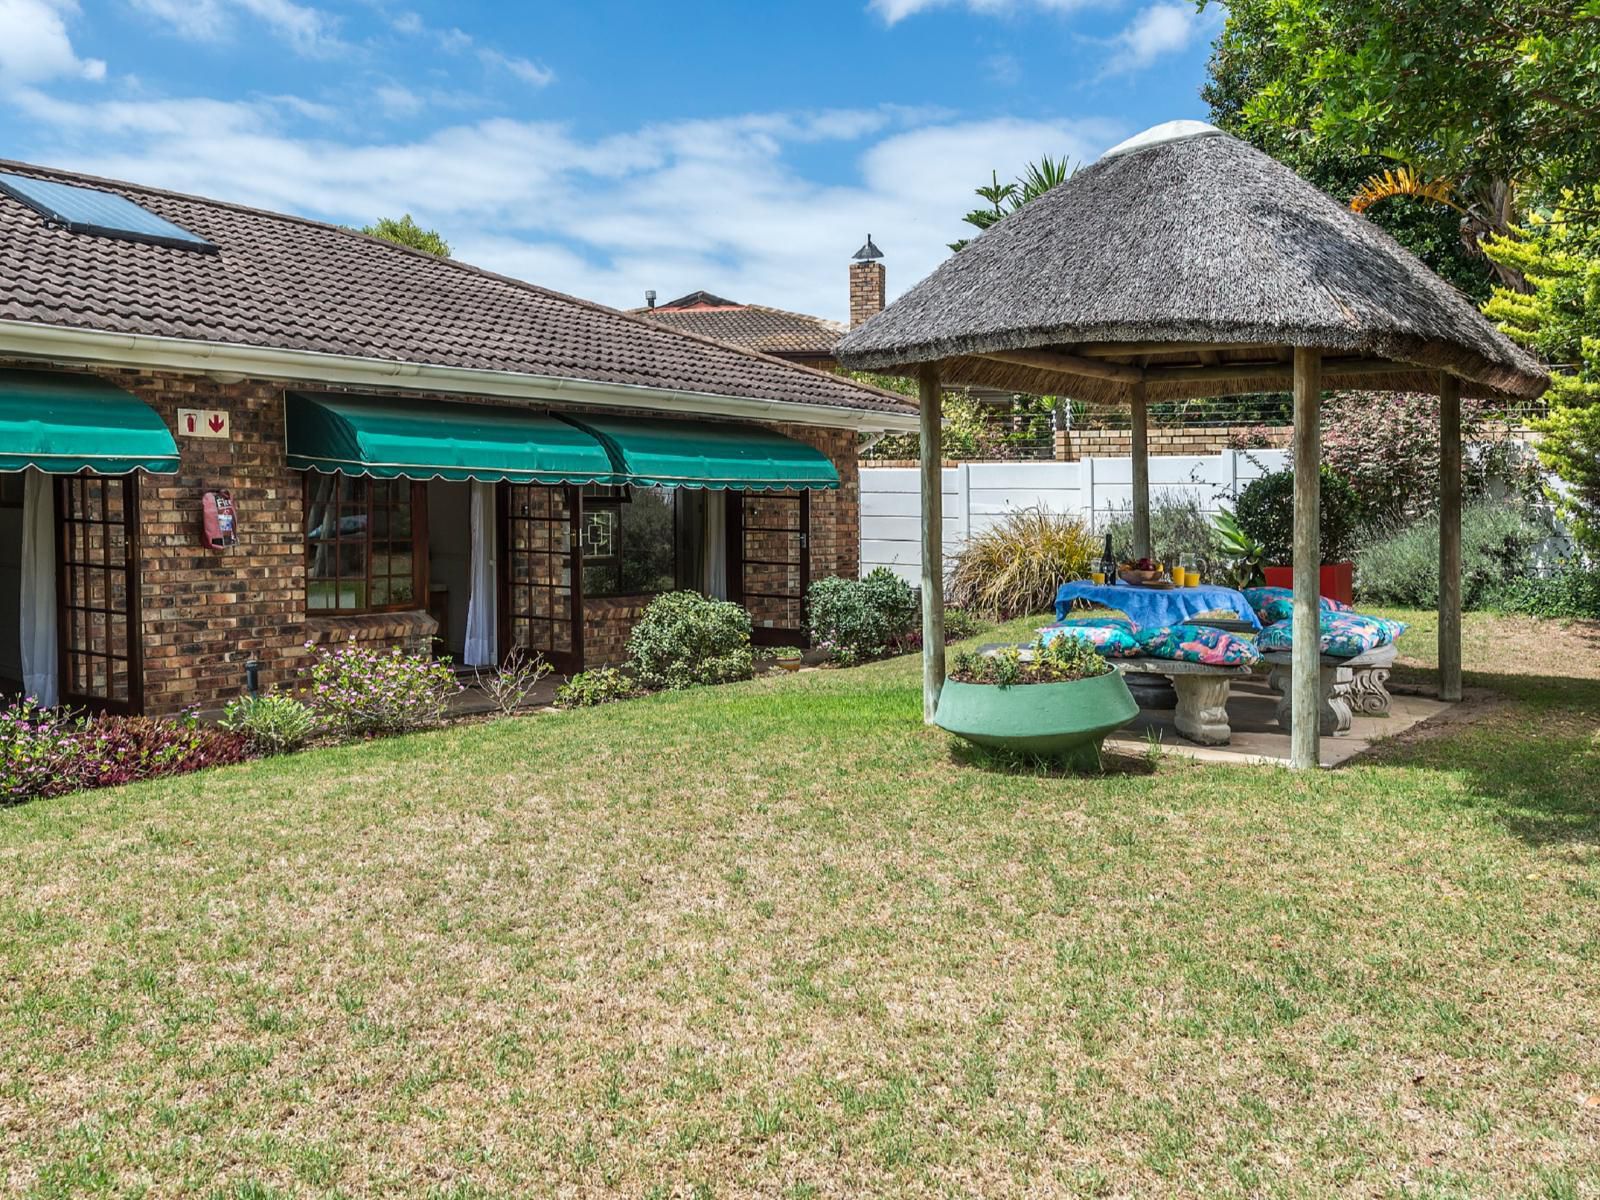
x,y
1142,574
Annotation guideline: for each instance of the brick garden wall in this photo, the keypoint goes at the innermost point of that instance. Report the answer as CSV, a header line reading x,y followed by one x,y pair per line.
x,y
1075,444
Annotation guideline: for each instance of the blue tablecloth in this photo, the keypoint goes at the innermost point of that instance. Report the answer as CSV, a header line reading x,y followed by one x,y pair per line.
x,y
1151,608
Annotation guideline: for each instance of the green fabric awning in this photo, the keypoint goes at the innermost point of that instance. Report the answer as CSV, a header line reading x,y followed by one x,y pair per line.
x,y
63,424
390,437
650,452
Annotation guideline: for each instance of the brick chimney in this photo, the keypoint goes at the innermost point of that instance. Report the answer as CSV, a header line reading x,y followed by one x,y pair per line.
x,y
866,283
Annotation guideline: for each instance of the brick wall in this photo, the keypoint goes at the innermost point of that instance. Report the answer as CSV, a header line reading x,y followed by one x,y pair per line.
x,y
207,611
1074,444
607,622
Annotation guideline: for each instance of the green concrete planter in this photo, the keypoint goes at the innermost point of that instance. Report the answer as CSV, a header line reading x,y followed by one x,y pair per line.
x,y
1054,720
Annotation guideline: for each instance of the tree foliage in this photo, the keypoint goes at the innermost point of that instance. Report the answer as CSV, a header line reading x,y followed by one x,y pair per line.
x,y
406,232
1003,199
1474,90
1251,58
1558,253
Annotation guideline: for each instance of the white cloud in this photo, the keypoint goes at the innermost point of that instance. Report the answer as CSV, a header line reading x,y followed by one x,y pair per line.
x,y
197,20
529,72
1155,32
673,206
895,11
309,31
35,46
397,101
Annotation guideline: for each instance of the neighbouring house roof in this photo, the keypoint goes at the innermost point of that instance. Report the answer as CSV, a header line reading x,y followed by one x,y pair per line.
x,y
283,283
754,326
1186,240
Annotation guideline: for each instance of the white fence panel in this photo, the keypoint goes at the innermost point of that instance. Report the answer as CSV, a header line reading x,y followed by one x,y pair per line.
x,y
976,495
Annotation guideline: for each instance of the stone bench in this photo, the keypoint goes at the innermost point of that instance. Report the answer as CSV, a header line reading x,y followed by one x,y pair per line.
x,y
1349,686
1196,692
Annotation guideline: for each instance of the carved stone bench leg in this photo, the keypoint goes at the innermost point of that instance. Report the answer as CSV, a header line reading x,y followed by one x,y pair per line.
x,y
1365,690
1202,712
1333,710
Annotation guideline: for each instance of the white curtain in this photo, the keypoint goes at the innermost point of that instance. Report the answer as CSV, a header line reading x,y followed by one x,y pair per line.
x,y
40,669
481,649
716,556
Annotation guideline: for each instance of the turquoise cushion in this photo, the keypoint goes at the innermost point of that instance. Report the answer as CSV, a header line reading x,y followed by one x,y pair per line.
x,y
1110,638
1344,634
1273,604
1199,644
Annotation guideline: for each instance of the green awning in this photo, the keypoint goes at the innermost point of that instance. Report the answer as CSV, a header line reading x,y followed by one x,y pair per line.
x,y
391,437
650,452
64,424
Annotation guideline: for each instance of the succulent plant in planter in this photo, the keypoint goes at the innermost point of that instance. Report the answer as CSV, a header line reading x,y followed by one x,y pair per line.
x,y
1060,702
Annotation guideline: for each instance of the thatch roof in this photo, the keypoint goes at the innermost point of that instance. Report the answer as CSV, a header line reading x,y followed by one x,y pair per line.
x,y
1185,258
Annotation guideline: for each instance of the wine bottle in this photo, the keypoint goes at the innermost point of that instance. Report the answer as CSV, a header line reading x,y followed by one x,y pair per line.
x,y
1110,561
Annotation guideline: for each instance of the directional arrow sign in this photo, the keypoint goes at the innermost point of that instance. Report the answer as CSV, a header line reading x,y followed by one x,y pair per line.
x,y
204,423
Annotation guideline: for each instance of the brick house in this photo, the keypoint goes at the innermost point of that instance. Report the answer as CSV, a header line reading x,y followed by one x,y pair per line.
x,y
417,453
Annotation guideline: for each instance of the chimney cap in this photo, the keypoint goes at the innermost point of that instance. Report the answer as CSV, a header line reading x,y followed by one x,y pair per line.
x,y
650,298
868,252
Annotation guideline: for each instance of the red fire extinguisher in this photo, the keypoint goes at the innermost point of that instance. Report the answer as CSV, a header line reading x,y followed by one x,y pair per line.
x,y
217,520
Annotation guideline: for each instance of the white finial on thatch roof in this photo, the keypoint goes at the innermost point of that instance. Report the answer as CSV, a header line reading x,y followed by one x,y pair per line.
x,y
1167,131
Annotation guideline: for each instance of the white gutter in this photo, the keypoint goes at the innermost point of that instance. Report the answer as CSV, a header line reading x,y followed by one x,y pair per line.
x,y
55,342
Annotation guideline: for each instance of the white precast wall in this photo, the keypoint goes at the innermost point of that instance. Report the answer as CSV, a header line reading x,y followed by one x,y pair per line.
x,y
976,494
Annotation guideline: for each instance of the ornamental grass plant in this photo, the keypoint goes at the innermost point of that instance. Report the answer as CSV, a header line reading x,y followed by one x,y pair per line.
x,y
1014,567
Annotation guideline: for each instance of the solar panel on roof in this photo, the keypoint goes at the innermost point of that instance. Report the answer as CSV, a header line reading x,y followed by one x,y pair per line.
x,y
89,210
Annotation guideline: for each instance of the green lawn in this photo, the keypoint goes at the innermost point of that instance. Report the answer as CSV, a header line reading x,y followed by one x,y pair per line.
x,y
776,939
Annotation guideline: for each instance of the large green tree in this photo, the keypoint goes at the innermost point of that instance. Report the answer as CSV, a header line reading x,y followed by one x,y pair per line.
x,y
1558,317
1475,91
1251,57
406,232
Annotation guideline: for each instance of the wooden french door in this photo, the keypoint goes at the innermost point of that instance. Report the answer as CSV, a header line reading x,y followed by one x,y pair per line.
x,y
97,586
541,606
769,562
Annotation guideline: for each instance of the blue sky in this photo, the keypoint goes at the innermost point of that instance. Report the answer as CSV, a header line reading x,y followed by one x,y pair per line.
x,y
606,147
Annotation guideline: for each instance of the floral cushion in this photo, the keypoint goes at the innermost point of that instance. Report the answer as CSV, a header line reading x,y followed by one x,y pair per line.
x,y
1344,634
1274,604
1198,644
1110,638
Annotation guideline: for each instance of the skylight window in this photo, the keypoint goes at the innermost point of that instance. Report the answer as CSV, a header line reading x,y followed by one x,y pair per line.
x,y
103,214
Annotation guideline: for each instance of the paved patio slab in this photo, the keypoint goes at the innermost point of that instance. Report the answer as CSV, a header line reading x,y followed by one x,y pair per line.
x,y
1257,737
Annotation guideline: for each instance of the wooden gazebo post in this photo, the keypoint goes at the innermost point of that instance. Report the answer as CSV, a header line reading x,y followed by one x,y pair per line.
x,y
1141,470
931,459
1449,537
1305,737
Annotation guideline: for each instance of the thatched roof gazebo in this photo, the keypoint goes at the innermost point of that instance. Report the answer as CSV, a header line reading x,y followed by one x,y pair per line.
x,y
1184,264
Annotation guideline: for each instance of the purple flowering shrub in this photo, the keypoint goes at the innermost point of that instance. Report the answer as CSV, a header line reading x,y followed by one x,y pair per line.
x,y
357,691
50,752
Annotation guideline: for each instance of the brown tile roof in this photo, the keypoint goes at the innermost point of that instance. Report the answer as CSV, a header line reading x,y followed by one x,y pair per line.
x,y
287,283
753,326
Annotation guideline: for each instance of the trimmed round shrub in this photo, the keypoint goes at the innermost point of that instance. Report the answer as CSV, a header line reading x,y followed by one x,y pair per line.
x,y
685,639
1265,511
1013,568
858,619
